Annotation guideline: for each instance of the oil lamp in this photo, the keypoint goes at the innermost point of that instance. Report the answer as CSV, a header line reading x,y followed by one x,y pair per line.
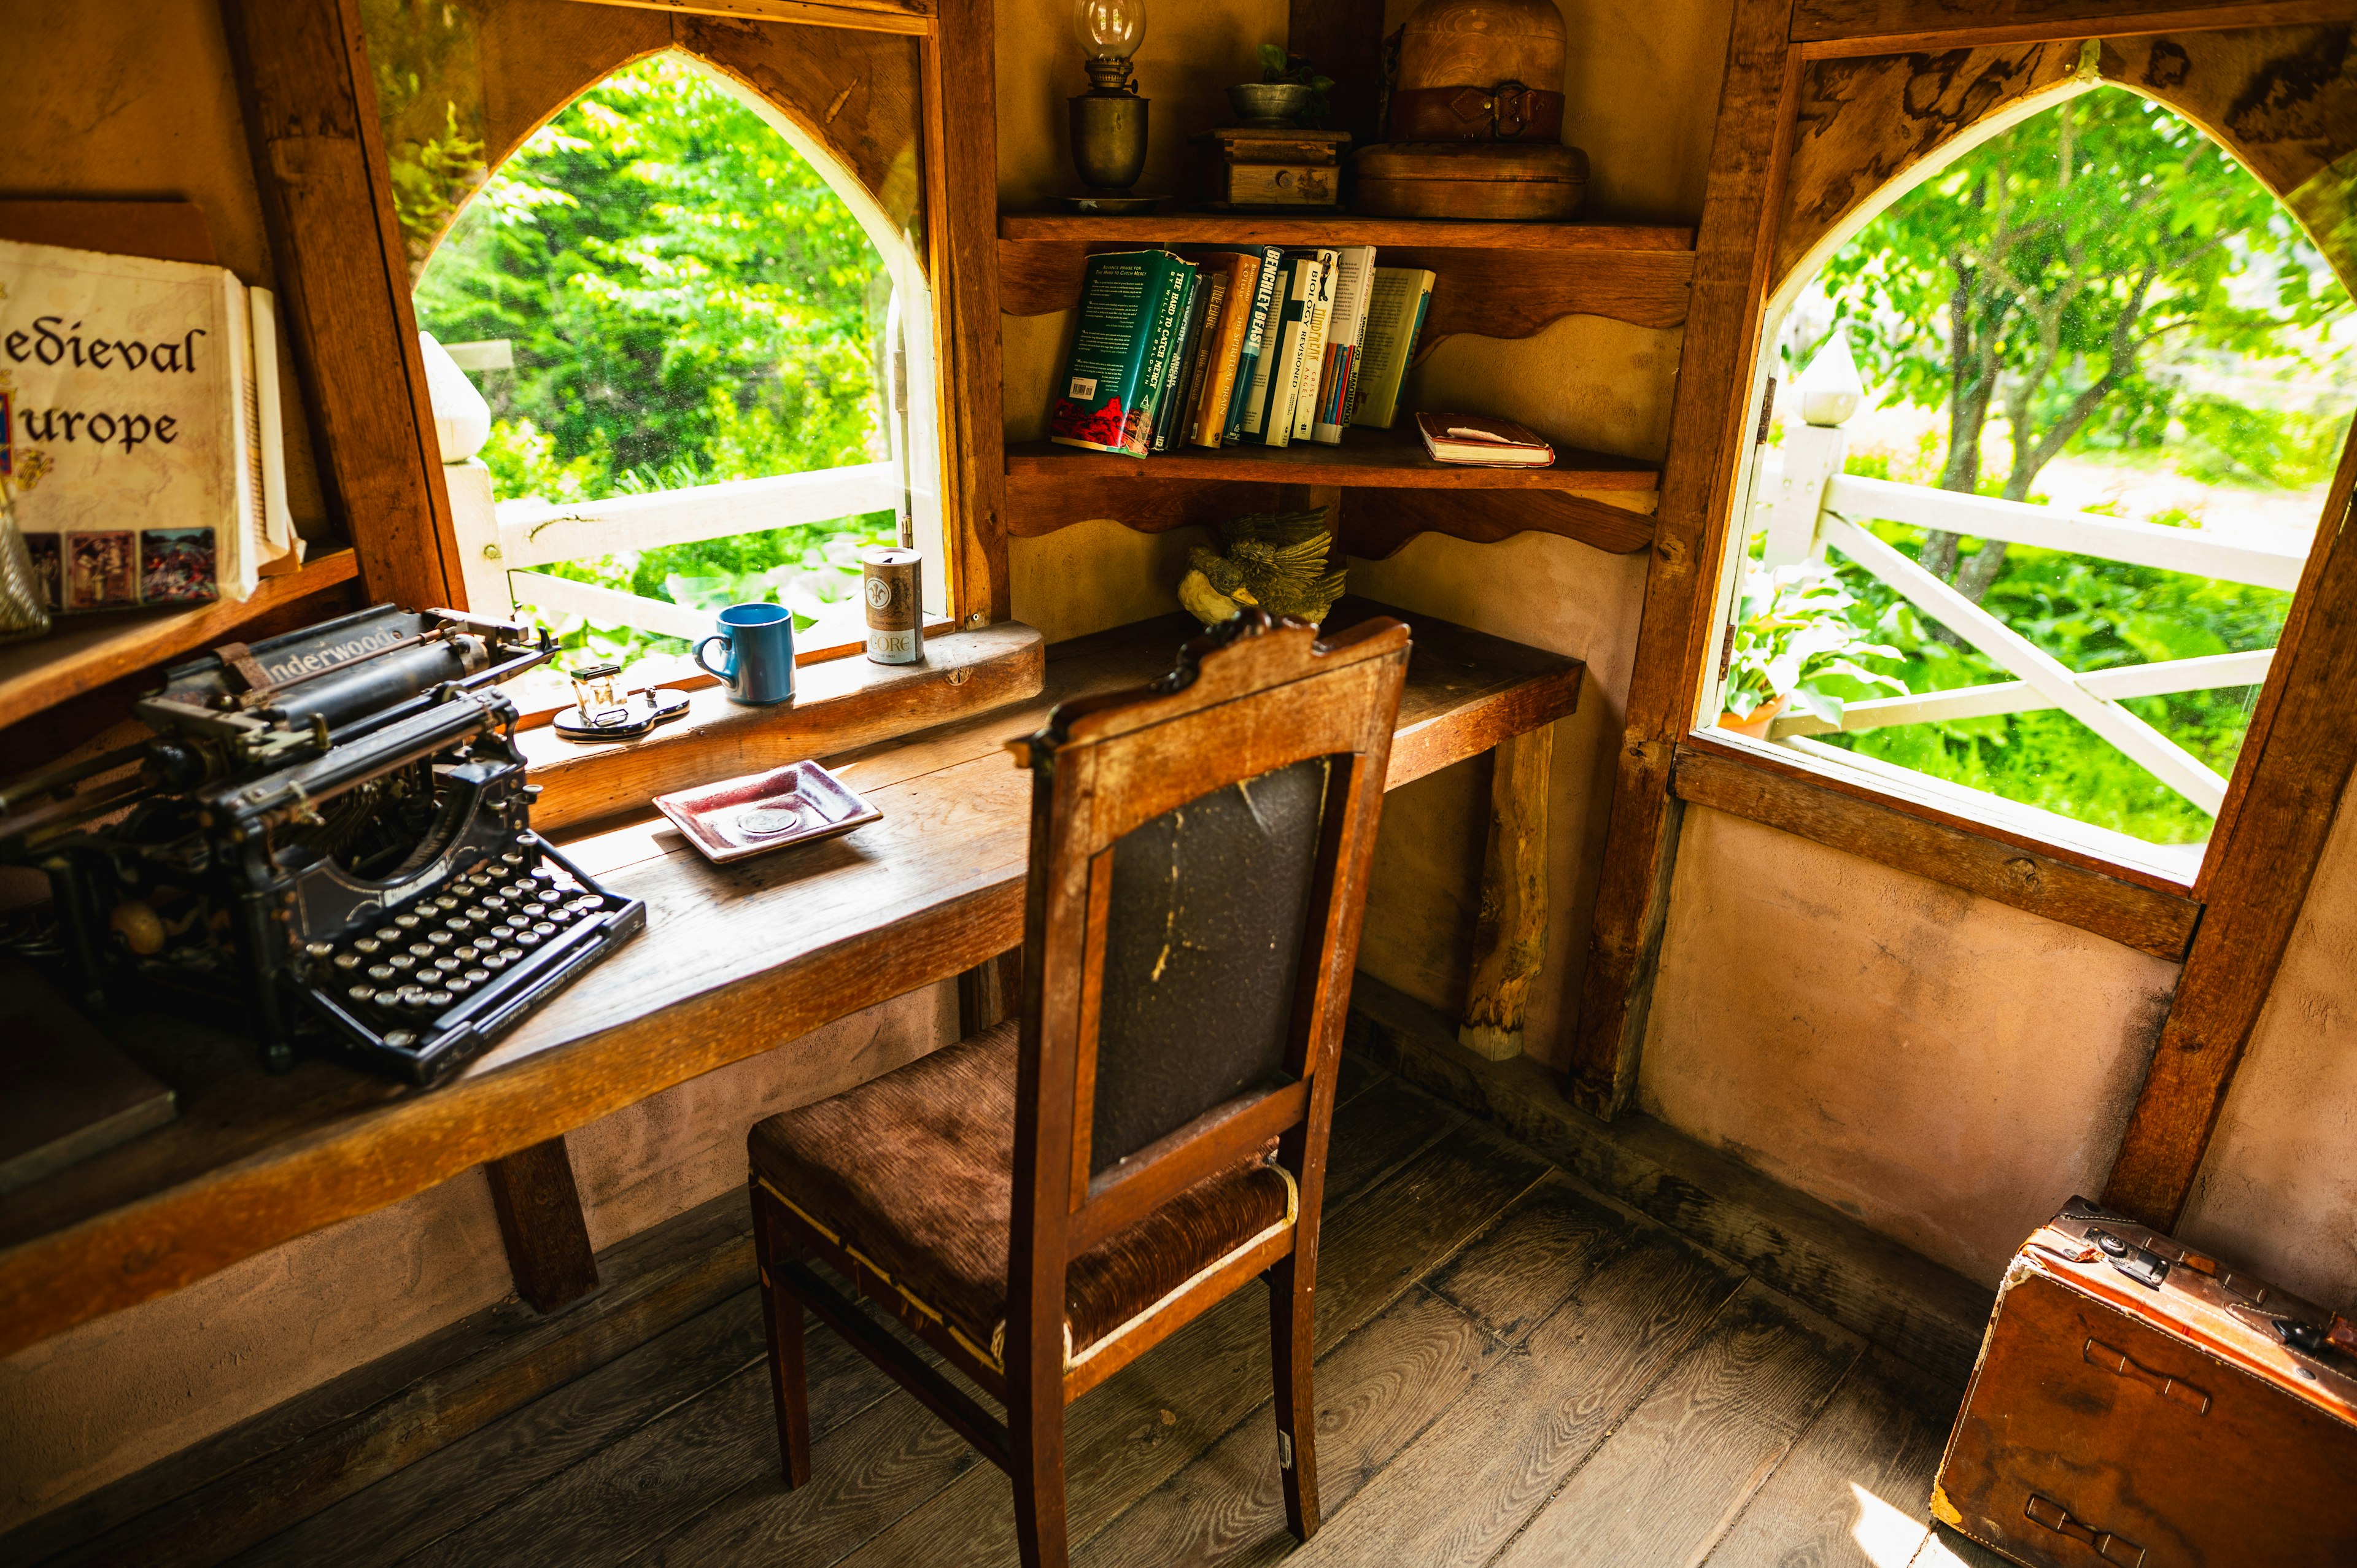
x,y
1109,120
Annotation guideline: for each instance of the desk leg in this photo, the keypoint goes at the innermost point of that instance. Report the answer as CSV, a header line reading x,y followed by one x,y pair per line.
x,y
1510,939
990,992
540,1219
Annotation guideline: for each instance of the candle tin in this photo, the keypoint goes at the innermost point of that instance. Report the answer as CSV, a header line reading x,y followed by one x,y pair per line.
x,y
892,585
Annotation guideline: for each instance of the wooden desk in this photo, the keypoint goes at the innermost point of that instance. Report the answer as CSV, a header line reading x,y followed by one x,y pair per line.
x,y
736,960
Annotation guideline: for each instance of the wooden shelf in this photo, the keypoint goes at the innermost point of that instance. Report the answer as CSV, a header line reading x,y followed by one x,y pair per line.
x,y
1392,492
1499,280
85,652
1387,459
1337,228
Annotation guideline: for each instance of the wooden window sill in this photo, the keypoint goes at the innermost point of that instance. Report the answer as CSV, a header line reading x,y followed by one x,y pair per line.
x,y
839,704
2134,905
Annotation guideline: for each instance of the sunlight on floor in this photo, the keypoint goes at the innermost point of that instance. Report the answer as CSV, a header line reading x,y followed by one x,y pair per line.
x,y
1888,1537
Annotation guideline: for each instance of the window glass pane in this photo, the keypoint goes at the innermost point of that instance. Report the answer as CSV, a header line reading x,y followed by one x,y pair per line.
x,y
684,302
2095,312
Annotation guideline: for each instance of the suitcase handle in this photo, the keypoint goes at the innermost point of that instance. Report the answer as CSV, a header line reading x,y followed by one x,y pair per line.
x,y
2056,1518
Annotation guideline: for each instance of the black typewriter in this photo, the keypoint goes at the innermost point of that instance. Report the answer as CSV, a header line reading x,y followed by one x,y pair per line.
x,y
326,843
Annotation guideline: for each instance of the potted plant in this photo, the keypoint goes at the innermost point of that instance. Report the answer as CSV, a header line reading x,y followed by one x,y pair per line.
x,y
1792,633
1289,93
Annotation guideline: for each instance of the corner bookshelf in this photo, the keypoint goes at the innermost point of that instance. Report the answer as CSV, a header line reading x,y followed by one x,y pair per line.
x,y
83,653
1493,279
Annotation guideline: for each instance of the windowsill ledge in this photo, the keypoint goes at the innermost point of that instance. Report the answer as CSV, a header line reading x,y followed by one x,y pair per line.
x,y
839,704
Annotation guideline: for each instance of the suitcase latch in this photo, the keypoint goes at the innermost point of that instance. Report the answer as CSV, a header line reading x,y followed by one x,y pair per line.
x,y
2142,1264
2056,1518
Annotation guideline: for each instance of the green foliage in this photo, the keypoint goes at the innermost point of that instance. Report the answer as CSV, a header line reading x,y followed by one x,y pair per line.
x,y
1797,635
2090,615
2228,444
2046,270
688,302
1277,65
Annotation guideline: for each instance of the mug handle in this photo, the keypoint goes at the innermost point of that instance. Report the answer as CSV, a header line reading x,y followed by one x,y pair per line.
x,y
728,677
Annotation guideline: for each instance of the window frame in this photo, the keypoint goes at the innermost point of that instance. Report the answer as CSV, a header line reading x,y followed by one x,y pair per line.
x,y
2296,756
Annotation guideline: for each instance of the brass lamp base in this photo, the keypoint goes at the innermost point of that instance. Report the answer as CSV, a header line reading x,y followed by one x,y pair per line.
x,y
1108,140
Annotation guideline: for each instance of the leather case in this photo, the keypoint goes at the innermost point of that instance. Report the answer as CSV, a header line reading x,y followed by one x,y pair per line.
x,y
2140,1405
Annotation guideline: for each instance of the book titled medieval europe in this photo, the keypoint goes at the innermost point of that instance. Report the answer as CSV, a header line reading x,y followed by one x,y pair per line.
x,y
139,427
1134,316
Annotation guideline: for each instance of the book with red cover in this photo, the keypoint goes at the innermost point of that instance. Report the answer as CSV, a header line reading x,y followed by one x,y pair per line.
x,y
1481,441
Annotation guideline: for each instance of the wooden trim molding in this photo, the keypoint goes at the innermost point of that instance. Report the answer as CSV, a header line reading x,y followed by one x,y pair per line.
x,y
2297,769
1707,438
1882,27
2146,919
310,121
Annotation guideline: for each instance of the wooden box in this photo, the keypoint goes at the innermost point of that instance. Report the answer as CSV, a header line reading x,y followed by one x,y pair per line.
x,y
1471,179
2138,1404
1286,169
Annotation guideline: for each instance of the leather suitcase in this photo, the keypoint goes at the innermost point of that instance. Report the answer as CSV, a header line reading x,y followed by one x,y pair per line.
x,y
2138,1405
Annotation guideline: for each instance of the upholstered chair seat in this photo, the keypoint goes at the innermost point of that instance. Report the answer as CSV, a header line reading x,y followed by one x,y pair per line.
x,y
912,1175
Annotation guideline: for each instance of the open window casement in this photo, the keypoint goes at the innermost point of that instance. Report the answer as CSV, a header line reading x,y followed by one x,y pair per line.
x,y
1796,523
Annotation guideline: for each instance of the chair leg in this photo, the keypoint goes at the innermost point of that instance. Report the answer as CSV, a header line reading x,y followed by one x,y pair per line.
x,y
1292,1348
1037,1434
781,1314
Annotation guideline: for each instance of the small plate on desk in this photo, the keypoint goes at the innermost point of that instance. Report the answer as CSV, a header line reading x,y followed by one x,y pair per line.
x,y
740,818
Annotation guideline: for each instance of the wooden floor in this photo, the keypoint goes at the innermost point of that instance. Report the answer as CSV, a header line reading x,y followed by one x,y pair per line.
x,y
1514,1370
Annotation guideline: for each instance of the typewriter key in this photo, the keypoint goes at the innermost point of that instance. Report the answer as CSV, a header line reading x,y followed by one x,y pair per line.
x,y
422,950
403,961
381,973
348,961
360,993
448,964
446,902
400,1039
457,985
512,857
367,945
476,912
440,938
387,933
405,921
438,1000
470,953
477,976
319,949
543,928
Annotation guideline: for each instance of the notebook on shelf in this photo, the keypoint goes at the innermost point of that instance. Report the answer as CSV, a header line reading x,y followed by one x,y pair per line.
x,y
1481,441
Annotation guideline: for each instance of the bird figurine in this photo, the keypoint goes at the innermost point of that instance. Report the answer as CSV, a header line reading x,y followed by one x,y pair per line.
x,y
1274,560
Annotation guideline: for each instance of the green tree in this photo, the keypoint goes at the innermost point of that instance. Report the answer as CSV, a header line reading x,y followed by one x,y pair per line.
x,y
688,303
2044,275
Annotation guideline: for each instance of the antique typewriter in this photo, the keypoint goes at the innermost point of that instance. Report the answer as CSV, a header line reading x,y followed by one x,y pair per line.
x,y
326,843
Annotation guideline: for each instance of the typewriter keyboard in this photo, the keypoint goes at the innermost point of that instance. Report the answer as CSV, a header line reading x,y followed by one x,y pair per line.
x,y
465,950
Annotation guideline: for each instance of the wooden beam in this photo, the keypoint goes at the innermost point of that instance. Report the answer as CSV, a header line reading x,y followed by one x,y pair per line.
x,y
990,993
1509,936
1889,26
547,1235
1377,522
2295,767
1343,39
342,276
2142,918
962,169
1708,437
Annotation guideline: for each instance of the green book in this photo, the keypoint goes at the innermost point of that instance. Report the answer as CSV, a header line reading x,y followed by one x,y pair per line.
x,y
1396,310
1170,407
1257,311
1121,352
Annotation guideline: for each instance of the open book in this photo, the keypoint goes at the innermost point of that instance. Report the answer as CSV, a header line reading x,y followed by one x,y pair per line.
x,y
142,430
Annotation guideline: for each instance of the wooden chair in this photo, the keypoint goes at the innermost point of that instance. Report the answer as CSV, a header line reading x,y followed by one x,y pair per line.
x,y
1042,1204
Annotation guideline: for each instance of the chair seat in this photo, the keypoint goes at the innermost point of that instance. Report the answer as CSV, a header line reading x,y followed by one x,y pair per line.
x,y
913,1173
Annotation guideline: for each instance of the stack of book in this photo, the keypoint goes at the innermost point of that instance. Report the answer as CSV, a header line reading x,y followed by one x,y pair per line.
x,y
1237,345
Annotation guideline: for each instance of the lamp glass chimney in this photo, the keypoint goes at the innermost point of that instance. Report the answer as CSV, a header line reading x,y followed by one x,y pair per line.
x,y
1110,30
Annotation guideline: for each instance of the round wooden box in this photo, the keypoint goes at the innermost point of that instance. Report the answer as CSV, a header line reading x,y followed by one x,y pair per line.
x,y
1471,179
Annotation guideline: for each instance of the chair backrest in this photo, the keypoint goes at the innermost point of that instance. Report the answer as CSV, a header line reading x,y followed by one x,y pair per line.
x,y
1199,849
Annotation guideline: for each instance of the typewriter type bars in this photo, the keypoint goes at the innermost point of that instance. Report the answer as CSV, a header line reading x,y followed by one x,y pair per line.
x,y
446,973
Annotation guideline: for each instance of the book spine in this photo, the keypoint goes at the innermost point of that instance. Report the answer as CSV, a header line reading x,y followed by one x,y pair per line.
x,y
1201,376
1221,361
1252,373
1316,318
1162,343
1171,413
1284,362
1355,271
1394,314
1105,374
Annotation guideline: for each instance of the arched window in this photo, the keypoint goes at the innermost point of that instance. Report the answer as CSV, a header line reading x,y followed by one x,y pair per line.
x,y
2056,411
696,313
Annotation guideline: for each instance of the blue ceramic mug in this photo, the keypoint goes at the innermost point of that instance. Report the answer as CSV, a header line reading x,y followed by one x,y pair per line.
x,y
760,643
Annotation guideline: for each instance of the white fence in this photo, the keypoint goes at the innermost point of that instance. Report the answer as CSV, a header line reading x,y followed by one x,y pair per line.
x,y
1810,504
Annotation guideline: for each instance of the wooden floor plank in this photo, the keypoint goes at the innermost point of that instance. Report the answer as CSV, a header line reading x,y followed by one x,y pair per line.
x,y
640,1491
1543,1245
1857,1488
1469,1483
1376,1391
1669,1482
1140,1426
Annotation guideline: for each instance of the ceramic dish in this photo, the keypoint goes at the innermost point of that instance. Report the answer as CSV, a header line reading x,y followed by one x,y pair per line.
x,y
738,818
